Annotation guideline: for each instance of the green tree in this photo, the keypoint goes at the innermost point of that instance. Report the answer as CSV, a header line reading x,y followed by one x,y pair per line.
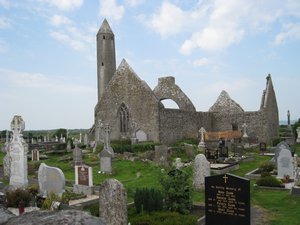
x,y
60,132
177,191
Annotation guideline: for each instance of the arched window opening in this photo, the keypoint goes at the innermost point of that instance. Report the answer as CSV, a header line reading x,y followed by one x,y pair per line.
x,y
169,104
124,118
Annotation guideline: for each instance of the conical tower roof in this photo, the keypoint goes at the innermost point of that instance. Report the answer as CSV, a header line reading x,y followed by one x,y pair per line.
x,y
225,104
105,28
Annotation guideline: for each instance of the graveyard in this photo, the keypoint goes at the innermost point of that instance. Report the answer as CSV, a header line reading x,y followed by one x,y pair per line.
x,y
182,183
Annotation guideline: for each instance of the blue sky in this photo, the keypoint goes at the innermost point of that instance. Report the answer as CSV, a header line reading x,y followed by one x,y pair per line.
x,y
48,54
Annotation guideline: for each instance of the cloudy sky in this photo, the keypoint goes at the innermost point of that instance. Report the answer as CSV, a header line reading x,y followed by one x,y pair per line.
x,y
48,54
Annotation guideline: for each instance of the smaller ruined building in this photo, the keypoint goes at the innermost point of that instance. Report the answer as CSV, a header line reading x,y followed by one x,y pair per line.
x,y
134,110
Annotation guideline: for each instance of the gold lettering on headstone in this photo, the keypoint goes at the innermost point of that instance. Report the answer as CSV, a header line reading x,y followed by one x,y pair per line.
x,y
225,201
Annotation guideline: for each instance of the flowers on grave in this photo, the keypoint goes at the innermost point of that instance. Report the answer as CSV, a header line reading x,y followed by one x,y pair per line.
x,y
18,198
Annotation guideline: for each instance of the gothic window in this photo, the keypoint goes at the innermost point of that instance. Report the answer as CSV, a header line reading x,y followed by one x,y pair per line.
x,y
124,118
103,37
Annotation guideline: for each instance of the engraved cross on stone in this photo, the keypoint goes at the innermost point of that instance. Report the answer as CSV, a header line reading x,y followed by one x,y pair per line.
x,y
106,140
225,178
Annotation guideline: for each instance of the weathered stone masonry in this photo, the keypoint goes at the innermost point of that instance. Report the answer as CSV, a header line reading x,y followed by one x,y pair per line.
x,y
130,106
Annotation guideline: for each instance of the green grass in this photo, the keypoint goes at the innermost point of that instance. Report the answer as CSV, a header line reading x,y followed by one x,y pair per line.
x,y
283,209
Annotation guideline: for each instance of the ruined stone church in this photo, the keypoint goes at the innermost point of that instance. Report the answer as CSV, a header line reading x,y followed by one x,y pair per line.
x,y
134,110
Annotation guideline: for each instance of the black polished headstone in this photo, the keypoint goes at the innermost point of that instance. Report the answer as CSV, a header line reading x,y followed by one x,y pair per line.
x,y
227,200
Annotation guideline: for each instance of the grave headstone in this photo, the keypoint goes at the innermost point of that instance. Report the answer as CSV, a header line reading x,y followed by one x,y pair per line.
x,y
279,147
201,170
141,135
298,135
69,146
18,149
113,202
262,146
161,155
35,155
227,200
211,154
202,143
77,156
285,164
107,153
85,140
83,180
178,163
238,150
51,179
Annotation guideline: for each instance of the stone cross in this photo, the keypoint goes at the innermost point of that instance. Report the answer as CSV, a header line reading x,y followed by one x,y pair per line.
x,y
134,126
244,126
17,126
18,154
107,133
289,117
99,130
202,131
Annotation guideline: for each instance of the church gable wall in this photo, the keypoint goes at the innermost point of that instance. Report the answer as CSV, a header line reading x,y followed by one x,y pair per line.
x,y
127,88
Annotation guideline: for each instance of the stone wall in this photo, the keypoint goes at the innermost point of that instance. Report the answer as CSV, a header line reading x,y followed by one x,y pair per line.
x,y
178,124
256,123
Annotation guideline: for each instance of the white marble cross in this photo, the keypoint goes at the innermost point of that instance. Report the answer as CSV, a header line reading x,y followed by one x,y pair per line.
x,y
244,126
202,131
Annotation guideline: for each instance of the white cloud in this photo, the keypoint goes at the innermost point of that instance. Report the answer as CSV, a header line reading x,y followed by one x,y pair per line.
x,y
168,20
3,46
111,10
59,20
64,5
133,3
201,62
42,82
68,40
290,32
4,23
5,4
217,24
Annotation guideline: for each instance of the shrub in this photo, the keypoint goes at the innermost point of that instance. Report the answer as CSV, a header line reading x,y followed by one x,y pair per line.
x,y
148,200
267,167
17,198
269,181
93,209
48,201
177,191
163,218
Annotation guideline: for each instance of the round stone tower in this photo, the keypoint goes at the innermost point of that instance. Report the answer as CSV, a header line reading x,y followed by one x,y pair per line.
x,y
106,57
